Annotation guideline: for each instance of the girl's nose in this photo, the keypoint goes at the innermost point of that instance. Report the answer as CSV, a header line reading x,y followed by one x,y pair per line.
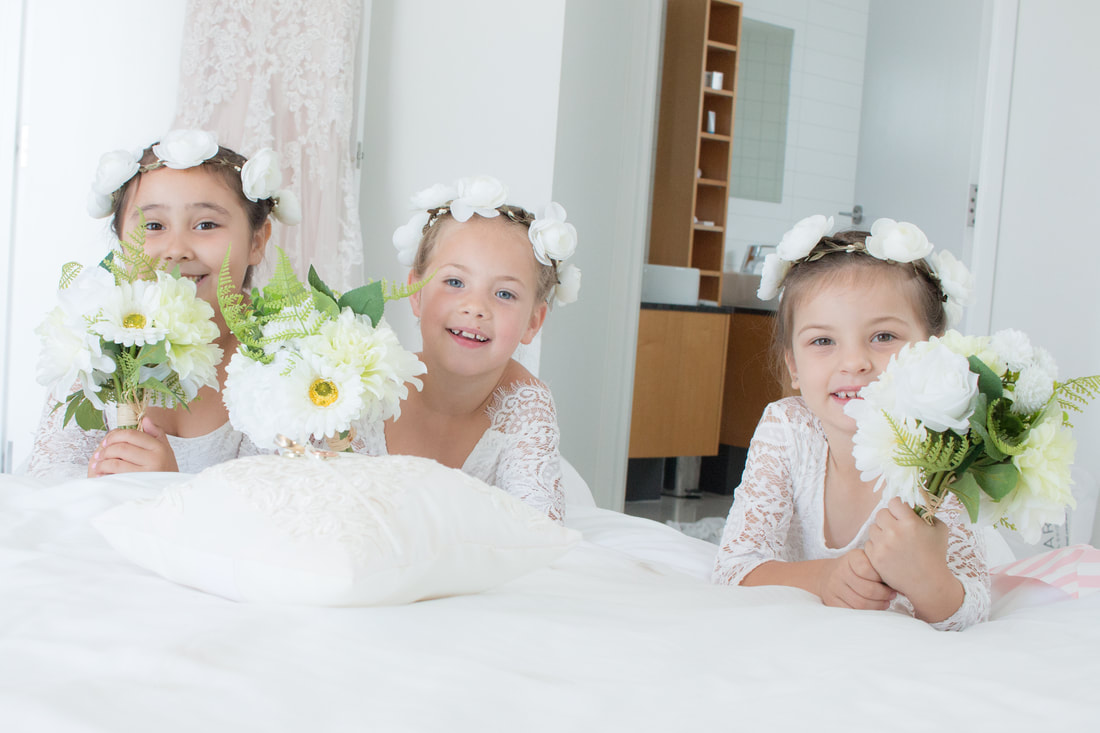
x,y
473,304
170,247
857,360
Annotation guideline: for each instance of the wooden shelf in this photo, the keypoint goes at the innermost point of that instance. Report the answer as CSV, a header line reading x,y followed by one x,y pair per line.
x,y
719,46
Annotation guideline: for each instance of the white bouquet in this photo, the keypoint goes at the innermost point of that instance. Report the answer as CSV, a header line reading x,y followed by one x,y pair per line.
x,y
126,332
311,362
982,418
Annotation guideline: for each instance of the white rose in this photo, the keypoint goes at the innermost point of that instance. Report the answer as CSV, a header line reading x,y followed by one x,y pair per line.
x,y
114,169
98,205
434,197
800,239
406,238
181,149
479,195
771,278
287,209
261,175
934,385
551,236
569,285
897,241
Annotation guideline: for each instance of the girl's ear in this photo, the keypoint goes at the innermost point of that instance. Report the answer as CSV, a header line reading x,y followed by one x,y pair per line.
x,y
792,369
259,243
538,316
414,299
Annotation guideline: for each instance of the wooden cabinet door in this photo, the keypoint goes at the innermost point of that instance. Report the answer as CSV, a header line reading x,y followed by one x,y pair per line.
x,y
678,381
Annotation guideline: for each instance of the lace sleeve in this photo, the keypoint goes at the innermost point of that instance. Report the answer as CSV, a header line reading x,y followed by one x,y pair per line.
x,y
756,529
529,464
966,558
61,451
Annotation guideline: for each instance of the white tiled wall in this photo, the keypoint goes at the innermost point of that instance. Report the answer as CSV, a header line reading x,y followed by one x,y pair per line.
x,y
823,125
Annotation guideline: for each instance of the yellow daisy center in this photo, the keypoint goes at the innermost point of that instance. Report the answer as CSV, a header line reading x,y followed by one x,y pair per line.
x,y
134,320
323,392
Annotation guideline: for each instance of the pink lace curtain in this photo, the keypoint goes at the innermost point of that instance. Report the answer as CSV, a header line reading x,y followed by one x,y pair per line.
x,y
281,74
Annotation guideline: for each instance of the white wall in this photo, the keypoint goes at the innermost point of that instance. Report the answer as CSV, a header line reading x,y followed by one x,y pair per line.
x,y
1047,265
822,124
103,78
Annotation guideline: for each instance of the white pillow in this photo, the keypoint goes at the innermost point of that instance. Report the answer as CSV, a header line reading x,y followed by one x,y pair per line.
x,y
349,531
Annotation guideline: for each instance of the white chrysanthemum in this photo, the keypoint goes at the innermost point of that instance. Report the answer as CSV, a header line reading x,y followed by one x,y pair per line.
x,y
771,278
71,354
196,365
973,346
254,395
1043,491
185,318
1033,389
292,324
875,446
799,240
322,398
126,316
383,364
1014,348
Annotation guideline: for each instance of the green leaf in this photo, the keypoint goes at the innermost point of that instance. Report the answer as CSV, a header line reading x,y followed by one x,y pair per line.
x,y
152,354
989,383
969,493
88,417
71,403
325,304
69,272
317,283
996,480
1007,430
367,300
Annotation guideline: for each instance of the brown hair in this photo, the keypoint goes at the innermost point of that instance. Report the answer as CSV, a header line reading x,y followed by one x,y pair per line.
x,y
845,255
225,164
547,275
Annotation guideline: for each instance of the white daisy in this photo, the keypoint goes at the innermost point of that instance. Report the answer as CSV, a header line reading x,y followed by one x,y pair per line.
x,y
322,398
127,315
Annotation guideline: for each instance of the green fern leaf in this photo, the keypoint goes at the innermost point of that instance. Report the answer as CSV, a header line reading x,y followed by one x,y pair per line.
x,y
1074,394
937,453
1007,430
69,271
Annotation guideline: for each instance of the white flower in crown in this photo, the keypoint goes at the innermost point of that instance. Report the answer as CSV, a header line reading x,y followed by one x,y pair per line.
x,y
957,284
772,276
432,198
569,284
800,239
181,149
286,210
114,169
551,236
479,195
261,175
406,238
899,241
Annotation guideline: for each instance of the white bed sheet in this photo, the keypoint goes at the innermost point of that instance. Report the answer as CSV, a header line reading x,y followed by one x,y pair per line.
x,y
623,633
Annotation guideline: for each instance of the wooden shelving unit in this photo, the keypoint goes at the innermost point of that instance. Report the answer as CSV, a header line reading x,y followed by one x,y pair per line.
x,y
691,181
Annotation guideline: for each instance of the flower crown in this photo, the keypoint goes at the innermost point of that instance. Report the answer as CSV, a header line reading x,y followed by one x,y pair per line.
x,y
890,240
261,176
552,239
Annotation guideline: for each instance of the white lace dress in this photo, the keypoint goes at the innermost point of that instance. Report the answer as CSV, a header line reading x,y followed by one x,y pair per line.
x,y
518,453
64,452
778,513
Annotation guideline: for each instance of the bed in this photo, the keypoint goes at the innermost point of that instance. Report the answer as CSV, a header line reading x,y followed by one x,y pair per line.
x,y
620,633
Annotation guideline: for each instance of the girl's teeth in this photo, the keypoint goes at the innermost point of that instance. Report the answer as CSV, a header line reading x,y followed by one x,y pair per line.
x,y
847,395
468,335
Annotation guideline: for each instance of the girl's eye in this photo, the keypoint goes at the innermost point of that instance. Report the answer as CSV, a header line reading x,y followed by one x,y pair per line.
x,y
206,225
883,338
453,282
153,226
505,294
821,341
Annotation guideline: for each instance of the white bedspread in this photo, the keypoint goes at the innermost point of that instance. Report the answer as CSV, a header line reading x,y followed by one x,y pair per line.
x,y
622,633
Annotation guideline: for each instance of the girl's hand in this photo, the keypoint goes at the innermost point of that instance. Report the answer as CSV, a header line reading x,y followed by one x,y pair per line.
x,y
126,451
850,581
911,557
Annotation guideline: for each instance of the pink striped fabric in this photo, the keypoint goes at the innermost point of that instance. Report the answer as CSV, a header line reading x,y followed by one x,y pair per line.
x,y
1074,569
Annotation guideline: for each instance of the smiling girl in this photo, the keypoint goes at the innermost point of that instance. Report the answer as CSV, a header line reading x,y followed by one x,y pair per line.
x,y
490,270
198,200
802,515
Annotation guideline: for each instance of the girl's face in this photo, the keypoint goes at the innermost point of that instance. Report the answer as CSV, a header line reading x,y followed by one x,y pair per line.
x,y
191,219
480,301
843,336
